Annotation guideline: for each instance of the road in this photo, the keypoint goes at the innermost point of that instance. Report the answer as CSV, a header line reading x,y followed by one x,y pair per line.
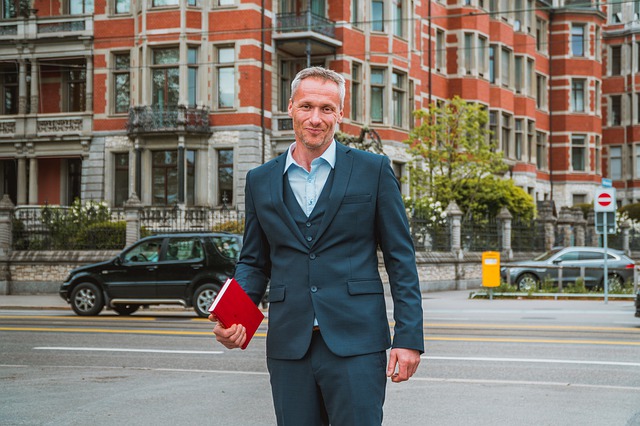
x,y
499,362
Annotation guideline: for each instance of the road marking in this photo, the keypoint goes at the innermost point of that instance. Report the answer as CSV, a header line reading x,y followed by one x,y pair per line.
x,y
519,340
524,382
532,360
531,327
115,331
156,351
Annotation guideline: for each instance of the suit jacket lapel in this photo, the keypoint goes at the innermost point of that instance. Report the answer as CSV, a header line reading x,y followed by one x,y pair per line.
x,y
342,173
277,198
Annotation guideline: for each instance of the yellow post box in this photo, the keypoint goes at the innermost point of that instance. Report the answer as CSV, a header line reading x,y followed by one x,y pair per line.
x,y
491,269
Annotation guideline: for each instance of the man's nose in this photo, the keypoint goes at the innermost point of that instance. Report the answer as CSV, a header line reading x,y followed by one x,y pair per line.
x,y
315,116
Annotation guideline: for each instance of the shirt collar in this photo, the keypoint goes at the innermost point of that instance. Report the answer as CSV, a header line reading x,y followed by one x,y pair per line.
x,y
329,155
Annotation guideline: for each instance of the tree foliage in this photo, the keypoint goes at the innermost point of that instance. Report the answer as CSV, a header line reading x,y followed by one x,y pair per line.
x,y
455,159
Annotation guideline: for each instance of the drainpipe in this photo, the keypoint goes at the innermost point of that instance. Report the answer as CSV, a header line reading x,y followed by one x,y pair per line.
x,y
430,53
550,110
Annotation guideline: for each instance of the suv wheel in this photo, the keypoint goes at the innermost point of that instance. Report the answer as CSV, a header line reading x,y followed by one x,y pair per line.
x,y
528,282
203,298
125,309
87,299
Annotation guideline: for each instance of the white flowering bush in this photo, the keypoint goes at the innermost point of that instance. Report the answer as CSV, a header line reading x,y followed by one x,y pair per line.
x,y
428,210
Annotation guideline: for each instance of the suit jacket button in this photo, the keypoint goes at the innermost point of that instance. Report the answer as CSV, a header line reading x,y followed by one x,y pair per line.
x,y
314,288
309,238
312,256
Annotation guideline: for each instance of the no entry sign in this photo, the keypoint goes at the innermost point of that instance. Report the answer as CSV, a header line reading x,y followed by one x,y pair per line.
x,y
605,200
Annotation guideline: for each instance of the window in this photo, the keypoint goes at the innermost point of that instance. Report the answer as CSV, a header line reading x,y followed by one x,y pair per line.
x,y
541,151
616,11
482,52
637,161
505,67
616,60
225,177
577,95
165,78
76,87
399,87
541,91
598,155
377,95
492,64
377,15
597,98
530,135
80,7
519,139
541,35
615,110
160,3
518,23
121,179
164,177
9,90
226,2
192,76
440,50
74,179
519,73
531,77
226,77
8,9
615,162
578,153
355,13
122,6
577,40
468,52
506,135
398,19
493,128
356,92
121,83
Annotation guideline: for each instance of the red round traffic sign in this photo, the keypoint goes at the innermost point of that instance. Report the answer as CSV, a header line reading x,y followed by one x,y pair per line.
x,y
604,199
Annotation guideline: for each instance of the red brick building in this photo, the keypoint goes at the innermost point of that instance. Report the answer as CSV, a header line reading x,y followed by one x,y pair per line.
x,y
176,100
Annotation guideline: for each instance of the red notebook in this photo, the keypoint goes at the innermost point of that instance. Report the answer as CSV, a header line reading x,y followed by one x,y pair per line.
x,y
234,306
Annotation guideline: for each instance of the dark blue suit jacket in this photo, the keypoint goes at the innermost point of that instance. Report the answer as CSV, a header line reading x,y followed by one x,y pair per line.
x,y
336,278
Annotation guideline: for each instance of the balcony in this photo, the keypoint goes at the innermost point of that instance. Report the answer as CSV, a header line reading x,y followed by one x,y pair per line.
x,y
305,33
56,126
39,28
145,120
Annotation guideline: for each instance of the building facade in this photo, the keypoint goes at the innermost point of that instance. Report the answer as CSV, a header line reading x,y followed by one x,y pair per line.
x,y
175,100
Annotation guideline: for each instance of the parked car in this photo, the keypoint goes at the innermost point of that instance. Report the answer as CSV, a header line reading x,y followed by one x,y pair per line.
x,y
187,269
529,274
638,304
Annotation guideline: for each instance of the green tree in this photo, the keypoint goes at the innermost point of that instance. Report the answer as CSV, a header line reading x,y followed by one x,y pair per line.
x,y
454,158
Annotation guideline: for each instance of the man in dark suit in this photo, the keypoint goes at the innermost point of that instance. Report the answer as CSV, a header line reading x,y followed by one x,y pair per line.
x,y
315,218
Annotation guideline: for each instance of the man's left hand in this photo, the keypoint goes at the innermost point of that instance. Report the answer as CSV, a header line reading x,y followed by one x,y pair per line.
x,y
403,363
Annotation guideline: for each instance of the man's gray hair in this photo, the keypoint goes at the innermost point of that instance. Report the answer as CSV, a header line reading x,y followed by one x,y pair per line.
x,y
323,74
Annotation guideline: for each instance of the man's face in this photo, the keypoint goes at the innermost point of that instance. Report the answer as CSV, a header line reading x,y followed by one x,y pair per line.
x,y
316,111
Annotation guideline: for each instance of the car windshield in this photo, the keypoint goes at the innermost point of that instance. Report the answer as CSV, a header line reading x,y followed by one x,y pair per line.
x,y
547,255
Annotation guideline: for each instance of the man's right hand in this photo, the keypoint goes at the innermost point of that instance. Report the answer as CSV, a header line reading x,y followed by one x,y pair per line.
x,y
232,337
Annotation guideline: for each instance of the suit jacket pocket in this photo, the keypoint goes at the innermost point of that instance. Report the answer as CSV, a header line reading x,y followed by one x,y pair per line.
x,y
276,294
355,199
356,287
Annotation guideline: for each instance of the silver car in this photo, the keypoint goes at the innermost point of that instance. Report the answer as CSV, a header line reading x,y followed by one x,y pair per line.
x,y
574,262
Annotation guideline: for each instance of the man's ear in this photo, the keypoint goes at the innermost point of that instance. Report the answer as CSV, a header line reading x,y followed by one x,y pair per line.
x,y
290,108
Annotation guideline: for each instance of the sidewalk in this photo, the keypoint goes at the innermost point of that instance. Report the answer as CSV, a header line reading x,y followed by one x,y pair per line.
x,y
33,301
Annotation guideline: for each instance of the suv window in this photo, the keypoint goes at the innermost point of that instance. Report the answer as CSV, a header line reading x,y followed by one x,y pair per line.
x,y
571,255
184,249
591,255
227,246
149,251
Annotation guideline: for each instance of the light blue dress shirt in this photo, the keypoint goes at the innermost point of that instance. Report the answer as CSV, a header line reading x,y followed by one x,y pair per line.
x,y
307,185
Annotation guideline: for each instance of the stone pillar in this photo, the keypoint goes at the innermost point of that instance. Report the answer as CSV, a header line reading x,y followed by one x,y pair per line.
x,y
132,208
579,227
625,227
35,86
549,223
6,230
455,215
22,181
89,88
504,216
565,225
593,237
33,181
22,87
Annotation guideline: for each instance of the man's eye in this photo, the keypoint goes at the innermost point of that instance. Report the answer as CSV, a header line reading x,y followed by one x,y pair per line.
x,y
305,107
328,110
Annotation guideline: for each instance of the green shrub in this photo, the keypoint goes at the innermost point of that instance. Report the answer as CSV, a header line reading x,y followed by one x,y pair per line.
x,y
576,287
102,236
233,226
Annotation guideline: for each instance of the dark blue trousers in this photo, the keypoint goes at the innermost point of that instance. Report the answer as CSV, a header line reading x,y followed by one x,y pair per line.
x,y
322,388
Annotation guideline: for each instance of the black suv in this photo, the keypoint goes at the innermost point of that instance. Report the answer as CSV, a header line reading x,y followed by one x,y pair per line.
x,y
638,304
186,269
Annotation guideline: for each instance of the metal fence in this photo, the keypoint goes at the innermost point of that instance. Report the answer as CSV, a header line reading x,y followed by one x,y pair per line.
x,y
481,234
156,220
527,235
430,237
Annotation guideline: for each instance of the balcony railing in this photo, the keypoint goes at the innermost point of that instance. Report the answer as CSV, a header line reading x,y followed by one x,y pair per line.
x,y
306,21
33,27
146,119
